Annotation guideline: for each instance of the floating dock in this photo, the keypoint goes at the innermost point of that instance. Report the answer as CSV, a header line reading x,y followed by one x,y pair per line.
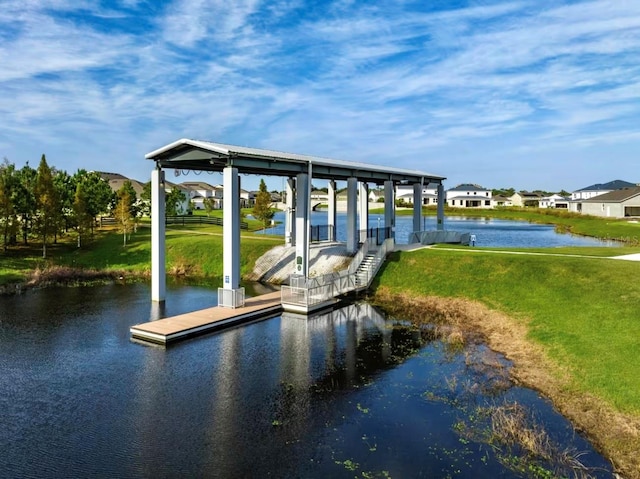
x,y
175,328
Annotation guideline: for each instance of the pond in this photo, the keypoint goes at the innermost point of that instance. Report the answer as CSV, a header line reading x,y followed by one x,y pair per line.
x,y
343,394
490,232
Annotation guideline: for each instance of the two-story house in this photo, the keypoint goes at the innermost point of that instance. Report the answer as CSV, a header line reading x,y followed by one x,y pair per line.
x,y
199,191
468,195
588,192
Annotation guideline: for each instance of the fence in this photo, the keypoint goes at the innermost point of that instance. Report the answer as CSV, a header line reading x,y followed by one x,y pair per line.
x,y
197,219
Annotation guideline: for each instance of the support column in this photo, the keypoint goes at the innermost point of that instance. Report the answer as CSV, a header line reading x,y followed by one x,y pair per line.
x,y
352,204
390,207
363,210
331,214
289,222
302,225
441,201
231,295
417,207
158,248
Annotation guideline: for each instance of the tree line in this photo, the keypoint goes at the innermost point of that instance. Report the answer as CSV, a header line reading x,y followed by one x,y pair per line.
x,y
45,203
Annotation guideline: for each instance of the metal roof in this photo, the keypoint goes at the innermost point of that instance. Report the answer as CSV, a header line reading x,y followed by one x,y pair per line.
x,y
204,155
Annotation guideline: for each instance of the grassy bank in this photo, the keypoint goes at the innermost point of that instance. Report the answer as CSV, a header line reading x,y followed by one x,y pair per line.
x,y
579,314
194,251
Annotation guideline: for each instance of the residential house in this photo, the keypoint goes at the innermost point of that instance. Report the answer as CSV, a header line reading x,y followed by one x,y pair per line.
x,y
405,193
554,201
468,195
620,203
199,191
526,198
588,192
499,201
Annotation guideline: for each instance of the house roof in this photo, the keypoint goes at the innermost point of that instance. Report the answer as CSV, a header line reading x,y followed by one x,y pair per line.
x,y
116,184
205,155
468,187
197,185
111,176
531,194
615,196
611,185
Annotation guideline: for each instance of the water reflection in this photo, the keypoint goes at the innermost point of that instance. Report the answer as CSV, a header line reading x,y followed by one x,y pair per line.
x,y
340,394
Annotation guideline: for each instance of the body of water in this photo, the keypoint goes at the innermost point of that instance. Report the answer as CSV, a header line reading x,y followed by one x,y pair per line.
x,y
345,394
489,232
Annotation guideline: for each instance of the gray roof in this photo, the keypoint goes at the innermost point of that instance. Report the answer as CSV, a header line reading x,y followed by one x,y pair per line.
x,y
611,185
468,187
209,156
615,196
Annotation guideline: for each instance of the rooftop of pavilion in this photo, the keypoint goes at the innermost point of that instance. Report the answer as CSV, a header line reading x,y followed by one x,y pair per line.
x,y
199,155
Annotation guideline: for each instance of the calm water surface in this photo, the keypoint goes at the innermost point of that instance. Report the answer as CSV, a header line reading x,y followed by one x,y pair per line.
x,y
340,395
488,231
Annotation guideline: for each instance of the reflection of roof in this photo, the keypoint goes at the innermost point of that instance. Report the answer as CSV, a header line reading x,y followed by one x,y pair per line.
x,y
615,196
611,185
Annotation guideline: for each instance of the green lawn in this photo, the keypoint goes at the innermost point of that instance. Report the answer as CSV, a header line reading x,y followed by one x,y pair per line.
x,y
584,311
194,250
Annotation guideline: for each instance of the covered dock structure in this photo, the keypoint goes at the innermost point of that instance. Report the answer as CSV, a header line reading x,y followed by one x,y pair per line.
x,y
299,171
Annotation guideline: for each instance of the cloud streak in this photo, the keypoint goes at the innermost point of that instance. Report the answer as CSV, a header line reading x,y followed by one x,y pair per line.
x,y
500,82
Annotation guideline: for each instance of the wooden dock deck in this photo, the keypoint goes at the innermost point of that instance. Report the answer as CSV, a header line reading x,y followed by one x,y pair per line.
x,y
175,328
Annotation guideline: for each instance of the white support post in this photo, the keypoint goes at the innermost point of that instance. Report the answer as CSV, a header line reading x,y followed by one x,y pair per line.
x,y
302,225
363,209
158,249
441,201
417,207
389,207
231,295
331,214
352,204
290,224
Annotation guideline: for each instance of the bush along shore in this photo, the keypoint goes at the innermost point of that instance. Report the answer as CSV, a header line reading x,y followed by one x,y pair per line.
x,y
577,348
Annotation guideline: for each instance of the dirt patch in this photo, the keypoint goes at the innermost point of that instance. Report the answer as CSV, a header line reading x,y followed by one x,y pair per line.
x,y
615,434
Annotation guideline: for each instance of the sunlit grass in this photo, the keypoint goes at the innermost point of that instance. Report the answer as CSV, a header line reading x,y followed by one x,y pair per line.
x,y
583,310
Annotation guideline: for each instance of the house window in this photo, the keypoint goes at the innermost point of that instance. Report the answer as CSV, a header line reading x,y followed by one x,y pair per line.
x,y
487,203
475,192
487,193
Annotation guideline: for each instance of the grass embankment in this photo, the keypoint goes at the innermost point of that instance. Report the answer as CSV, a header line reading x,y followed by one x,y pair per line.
x,y
566,222
194,250
569,324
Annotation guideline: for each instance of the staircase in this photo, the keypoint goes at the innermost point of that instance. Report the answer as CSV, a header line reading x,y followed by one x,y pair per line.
x,y
363,273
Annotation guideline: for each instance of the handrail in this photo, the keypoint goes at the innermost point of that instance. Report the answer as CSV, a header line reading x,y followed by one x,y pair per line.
x,y
322,288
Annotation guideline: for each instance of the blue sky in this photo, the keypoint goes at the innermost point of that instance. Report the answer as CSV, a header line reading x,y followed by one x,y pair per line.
x,y
532,94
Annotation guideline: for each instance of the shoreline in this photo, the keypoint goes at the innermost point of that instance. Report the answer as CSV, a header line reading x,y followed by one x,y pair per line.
x,y
616,435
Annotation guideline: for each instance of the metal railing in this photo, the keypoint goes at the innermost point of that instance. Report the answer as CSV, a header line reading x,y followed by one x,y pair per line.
x,y
320,233
317,290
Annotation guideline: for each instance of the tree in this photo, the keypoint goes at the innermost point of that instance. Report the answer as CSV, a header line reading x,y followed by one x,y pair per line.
x,y
145,200
47,203
82,217
122,212
174,201
65,186
8,188
25,199
262,208
98,191
209,204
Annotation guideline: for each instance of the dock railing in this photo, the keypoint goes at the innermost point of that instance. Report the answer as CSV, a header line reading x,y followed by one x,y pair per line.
x,y
320,289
